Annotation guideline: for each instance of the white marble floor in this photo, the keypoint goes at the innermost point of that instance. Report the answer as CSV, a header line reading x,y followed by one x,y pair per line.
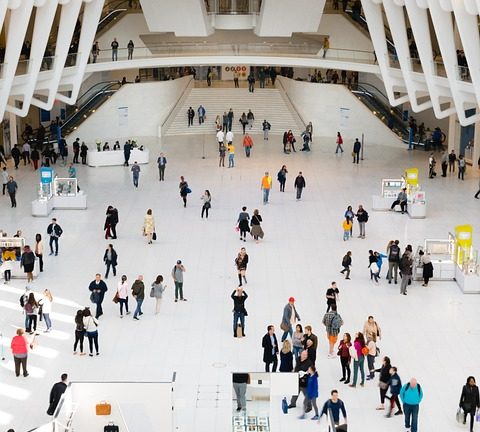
x,y
432,334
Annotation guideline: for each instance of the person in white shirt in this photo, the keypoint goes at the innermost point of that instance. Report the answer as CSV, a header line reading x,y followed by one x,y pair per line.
x,y
229,137
46,303
26,153
5,176
220,138
122,295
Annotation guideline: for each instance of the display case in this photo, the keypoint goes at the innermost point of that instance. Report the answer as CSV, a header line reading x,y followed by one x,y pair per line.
x,y
467,271
66,187
390,190
45,191
10,254
250,423
416,204
442,255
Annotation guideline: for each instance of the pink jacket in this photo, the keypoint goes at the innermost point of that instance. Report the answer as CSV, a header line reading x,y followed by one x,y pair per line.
x,y
19,345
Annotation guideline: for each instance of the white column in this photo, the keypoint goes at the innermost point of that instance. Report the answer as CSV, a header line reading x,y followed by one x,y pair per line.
x,y
476,145
453,134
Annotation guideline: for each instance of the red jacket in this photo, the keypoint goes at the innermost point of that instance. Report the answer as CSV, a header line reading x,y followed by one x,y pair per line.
x,y
19,345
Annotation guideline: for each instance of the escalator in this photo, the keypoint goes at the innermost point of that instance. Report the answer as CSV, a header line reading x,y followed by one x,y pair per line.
x,y
377,102
88,103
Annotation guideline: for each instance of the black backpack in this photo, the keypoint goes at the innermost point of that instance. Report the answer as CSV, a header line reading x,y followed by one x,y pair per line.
x,y
394,254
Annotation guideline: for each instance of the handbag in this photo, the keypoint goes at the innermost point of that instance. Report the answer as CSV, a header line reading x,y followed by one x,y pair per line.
x,y
110,427
94,297
116,297
152,292
103,408
188,190
285,405
284,326
154,236
383,385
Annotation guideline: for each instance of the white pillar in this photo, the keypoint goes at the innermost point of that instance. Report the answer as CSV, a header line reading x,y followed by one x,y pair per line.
x,y
476,145
453,134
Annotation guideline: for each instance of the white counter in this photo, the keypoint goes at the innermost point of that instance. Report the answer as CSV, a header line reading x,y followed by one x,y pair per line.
x,y
116,157
45,207
468,283
417,211
381,203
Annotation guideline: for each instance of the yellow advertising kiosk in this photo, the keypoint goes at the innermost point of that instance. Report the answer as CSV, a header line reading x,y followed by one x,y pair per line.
x,y
466,258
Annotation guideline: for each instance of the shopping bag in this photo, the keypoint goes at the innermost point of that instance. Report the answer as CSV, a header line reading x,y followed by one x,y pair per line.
x,y
116,297
103,408
285,405
239,331
478,416
459,416
110,427
154,236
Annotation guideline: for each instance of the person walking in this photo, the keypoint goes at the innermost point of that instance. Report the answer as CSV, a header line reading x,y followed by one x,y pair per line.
x,y
111,222
240,381
56,394
469,401
250,118
156,292
224,122
372,265
372,353
339,142
138,293
149,226
207,202
177,276
289,318
357,146
332,295
311,393
162,164
427,267
394,384
127,149
45,309
405,267
98,288
110,258
256,231
27,261
190,116
344,353
332,322
239,296
265,186
135,173
383,380
247,144
358,352
16,155
461,167
431,166
270,349
346,263
39,250
26,153
114,46
411,395
91,330
122,295
130,47
79,333
362,218
302,368
243,223
393,252
19,346
266,126
184,190
12,188
444,162
230,117
222,150
286,357
241,263
299,185
5,178
282,177
251,82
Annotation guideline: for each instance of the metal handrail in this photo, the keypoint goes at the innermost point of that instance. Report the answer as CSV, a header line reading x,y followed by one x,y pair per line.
x,y
101,83
290,102
176,107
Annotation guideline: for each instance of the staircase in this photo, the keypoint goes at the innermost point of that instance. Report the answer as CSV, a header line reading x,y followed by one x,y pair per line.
x,y
266,104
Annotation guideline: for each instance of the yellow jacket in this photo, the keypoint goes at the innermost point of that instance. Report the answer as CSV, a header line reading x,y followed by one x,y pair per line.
x,y
347,226
266,182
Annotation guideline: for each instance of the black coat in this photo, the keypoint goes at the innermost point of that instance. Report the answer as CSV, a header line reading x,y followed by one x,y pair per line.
x,y
268,348
469,400
55,395
239,302
113,261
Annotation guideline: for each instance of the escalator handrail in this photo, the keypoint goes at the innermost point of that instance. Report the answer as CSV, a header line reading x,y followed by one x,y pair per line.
x,y
364,86
103,83
108,88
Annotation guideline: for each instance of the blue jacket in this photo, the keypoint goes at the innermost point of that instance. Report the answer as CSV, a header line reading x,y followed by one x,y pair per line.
x,y
411,396
395,384
380,257
312,386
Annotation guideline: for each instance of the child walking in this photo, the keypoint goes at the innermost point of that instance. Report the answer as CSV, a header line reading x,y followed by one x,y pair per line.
x,y
347,227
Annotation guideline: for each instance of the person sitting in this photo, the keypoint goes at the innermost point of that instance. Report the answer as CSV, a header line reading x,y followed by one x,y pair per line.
x,y
306,141
106,147
402,200
116,146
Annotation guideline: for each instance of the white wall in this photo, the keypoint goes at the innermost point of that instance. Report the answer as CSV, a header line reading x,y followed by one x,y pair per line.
x,y
343,34
321,103
130,26
148,106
